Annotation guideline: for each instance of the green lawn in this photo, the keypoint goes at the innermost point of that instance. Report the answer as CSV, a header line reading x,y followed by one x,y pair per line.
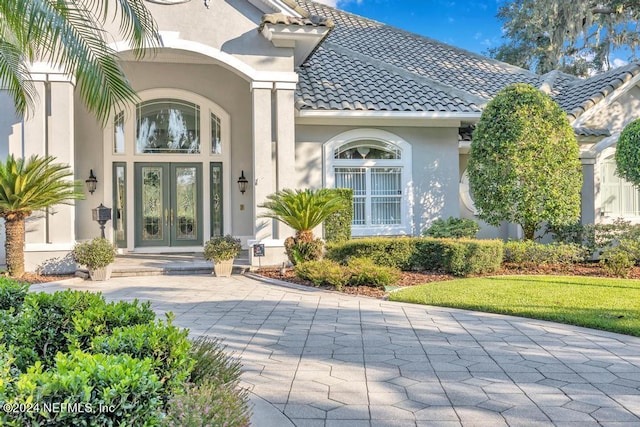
x,y
601,303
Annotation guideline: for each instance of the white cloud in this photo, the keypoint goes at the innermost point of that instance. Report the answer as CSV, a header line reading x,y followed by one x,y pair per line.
x,y
617,62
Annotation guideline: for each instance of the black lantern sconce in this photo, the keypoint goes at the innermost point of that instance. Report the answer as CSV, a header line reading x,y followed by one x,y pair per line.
x,y
242,183
92,182
101,214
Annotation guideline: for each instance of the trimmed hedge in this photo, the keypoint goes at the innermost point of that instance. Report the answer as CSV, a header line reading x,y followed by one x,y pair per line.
x,y
337,226
459,257
394,252
526,252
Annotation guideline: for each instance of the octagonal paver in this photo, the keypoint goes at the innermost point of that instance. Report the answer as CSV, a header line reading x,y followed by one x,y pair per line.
x,y
328,359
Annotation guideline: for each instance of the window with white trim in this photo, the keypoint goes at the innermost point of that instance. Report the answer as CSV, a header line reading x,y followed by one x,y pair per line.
x,y
619,197
373,171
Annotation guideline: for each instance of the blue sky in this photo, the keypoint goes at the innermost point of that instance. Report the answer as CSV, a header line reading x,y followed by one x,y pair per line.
x,y
469,24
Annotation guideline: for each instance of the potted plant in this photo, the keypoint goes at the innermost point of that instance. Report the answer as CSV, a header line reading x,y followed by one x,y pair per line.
x,y
97,255
222,250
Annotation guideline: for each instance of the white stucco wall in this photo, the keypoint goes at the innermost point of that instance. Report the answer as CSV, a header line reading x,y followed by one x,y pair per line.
x,y
227,25
617,114
434,163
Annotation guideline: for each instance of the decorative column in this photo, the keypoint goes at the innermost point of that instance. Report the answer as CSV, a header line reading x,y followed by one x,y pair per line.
x,y
285,150
588,206
262,179
50,131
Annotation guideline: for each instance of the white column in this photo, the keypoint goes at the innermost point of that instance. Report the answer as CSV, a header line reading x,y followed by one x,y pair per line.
x,y
262,178
34,140
588,207
50,131
61,146
285,138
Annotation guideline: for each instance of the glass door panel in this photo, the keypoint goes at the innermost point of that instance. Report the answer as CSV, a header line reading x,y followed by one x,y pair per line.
x,y
120,204
168,207
186,206
216,199
152,207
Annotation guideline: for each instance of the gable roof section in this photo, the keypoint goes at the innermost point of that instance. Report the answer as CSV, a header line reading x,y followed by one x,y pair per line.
x,y
584,94
367,65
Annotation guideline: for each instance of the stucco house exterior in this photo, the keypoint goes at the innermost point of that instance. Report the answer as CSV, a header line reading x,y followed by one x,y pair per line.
x,y
293,94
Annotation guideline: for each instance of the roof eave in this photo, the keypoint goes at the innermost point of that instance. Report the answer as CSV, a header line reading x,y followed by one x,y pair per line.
x,y
388,118
304,39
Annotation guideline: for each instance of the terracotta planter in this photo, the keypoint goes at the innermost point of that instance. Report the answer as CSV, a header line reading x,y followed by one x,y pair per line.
x,y
223,268
100,274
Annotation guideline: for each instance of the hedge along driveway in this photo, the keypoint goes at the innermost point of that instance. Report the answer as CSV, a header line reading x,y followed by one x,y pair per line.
x,y
459,257
601,303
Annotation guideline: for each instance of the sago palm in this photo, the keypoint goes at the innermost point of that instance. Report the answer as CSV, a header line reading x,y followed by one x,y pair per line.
x,y
27,186
70,35
302,210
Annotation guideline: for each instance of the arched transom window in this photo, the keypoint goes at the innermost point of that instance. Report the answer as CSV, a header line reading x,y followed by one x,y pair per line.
x,y
619,198
377,172
170,126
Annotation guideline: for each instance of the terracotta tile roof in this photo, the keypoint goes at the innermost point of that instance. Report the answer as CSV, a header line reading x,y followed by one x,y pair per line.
x,y
463,81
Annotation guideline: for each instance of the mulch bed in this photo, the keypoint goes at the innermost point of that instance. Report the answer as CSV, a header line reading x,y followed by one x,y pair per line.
x,y
35,278
420,278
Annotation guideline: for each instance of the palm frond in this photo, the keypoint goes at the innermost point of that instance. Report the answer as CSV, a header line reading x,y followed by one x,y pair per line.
x,y
15,78
35,184
70,35
301,210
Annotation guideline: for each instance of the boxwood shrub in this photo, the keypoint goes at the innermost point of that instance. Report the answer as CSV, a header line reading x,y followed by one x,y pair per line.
x,y
49,323
527,252
337,226
455,256
103,389
397,252
164,344
53,350
459,257
12,293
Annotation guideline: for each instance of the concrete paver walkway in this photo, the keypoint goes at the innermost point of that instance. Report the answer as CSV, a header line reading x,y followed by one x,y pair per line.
x,y
326,359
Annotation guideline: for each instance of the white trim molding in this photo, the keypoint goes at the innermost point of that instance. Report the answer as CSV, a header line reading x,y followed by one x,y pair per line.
x,y
384,118
405,163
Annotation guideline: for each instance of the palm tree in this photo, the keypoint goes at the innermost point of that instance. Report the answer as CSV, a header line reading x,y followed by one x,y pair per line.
x,y
302,210
27,186
70,35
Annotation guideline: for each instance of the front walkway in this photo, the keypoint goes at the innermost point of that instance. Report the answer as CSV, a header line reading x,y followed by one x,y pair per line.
x,y
326,359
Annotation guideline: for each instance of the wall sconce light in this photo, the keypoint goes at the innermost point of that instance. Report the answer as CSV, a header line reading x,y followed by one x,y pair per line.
x,y
242,183
92,182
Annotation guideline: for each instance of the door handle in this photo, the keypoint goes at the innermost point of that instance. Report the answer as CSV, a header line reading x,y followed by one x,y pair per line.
x,y
171,218
166,216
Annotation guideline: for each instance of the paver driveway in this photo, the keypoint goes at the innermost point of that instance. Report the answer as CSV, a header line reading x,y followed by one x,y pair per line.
x,y
328,359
